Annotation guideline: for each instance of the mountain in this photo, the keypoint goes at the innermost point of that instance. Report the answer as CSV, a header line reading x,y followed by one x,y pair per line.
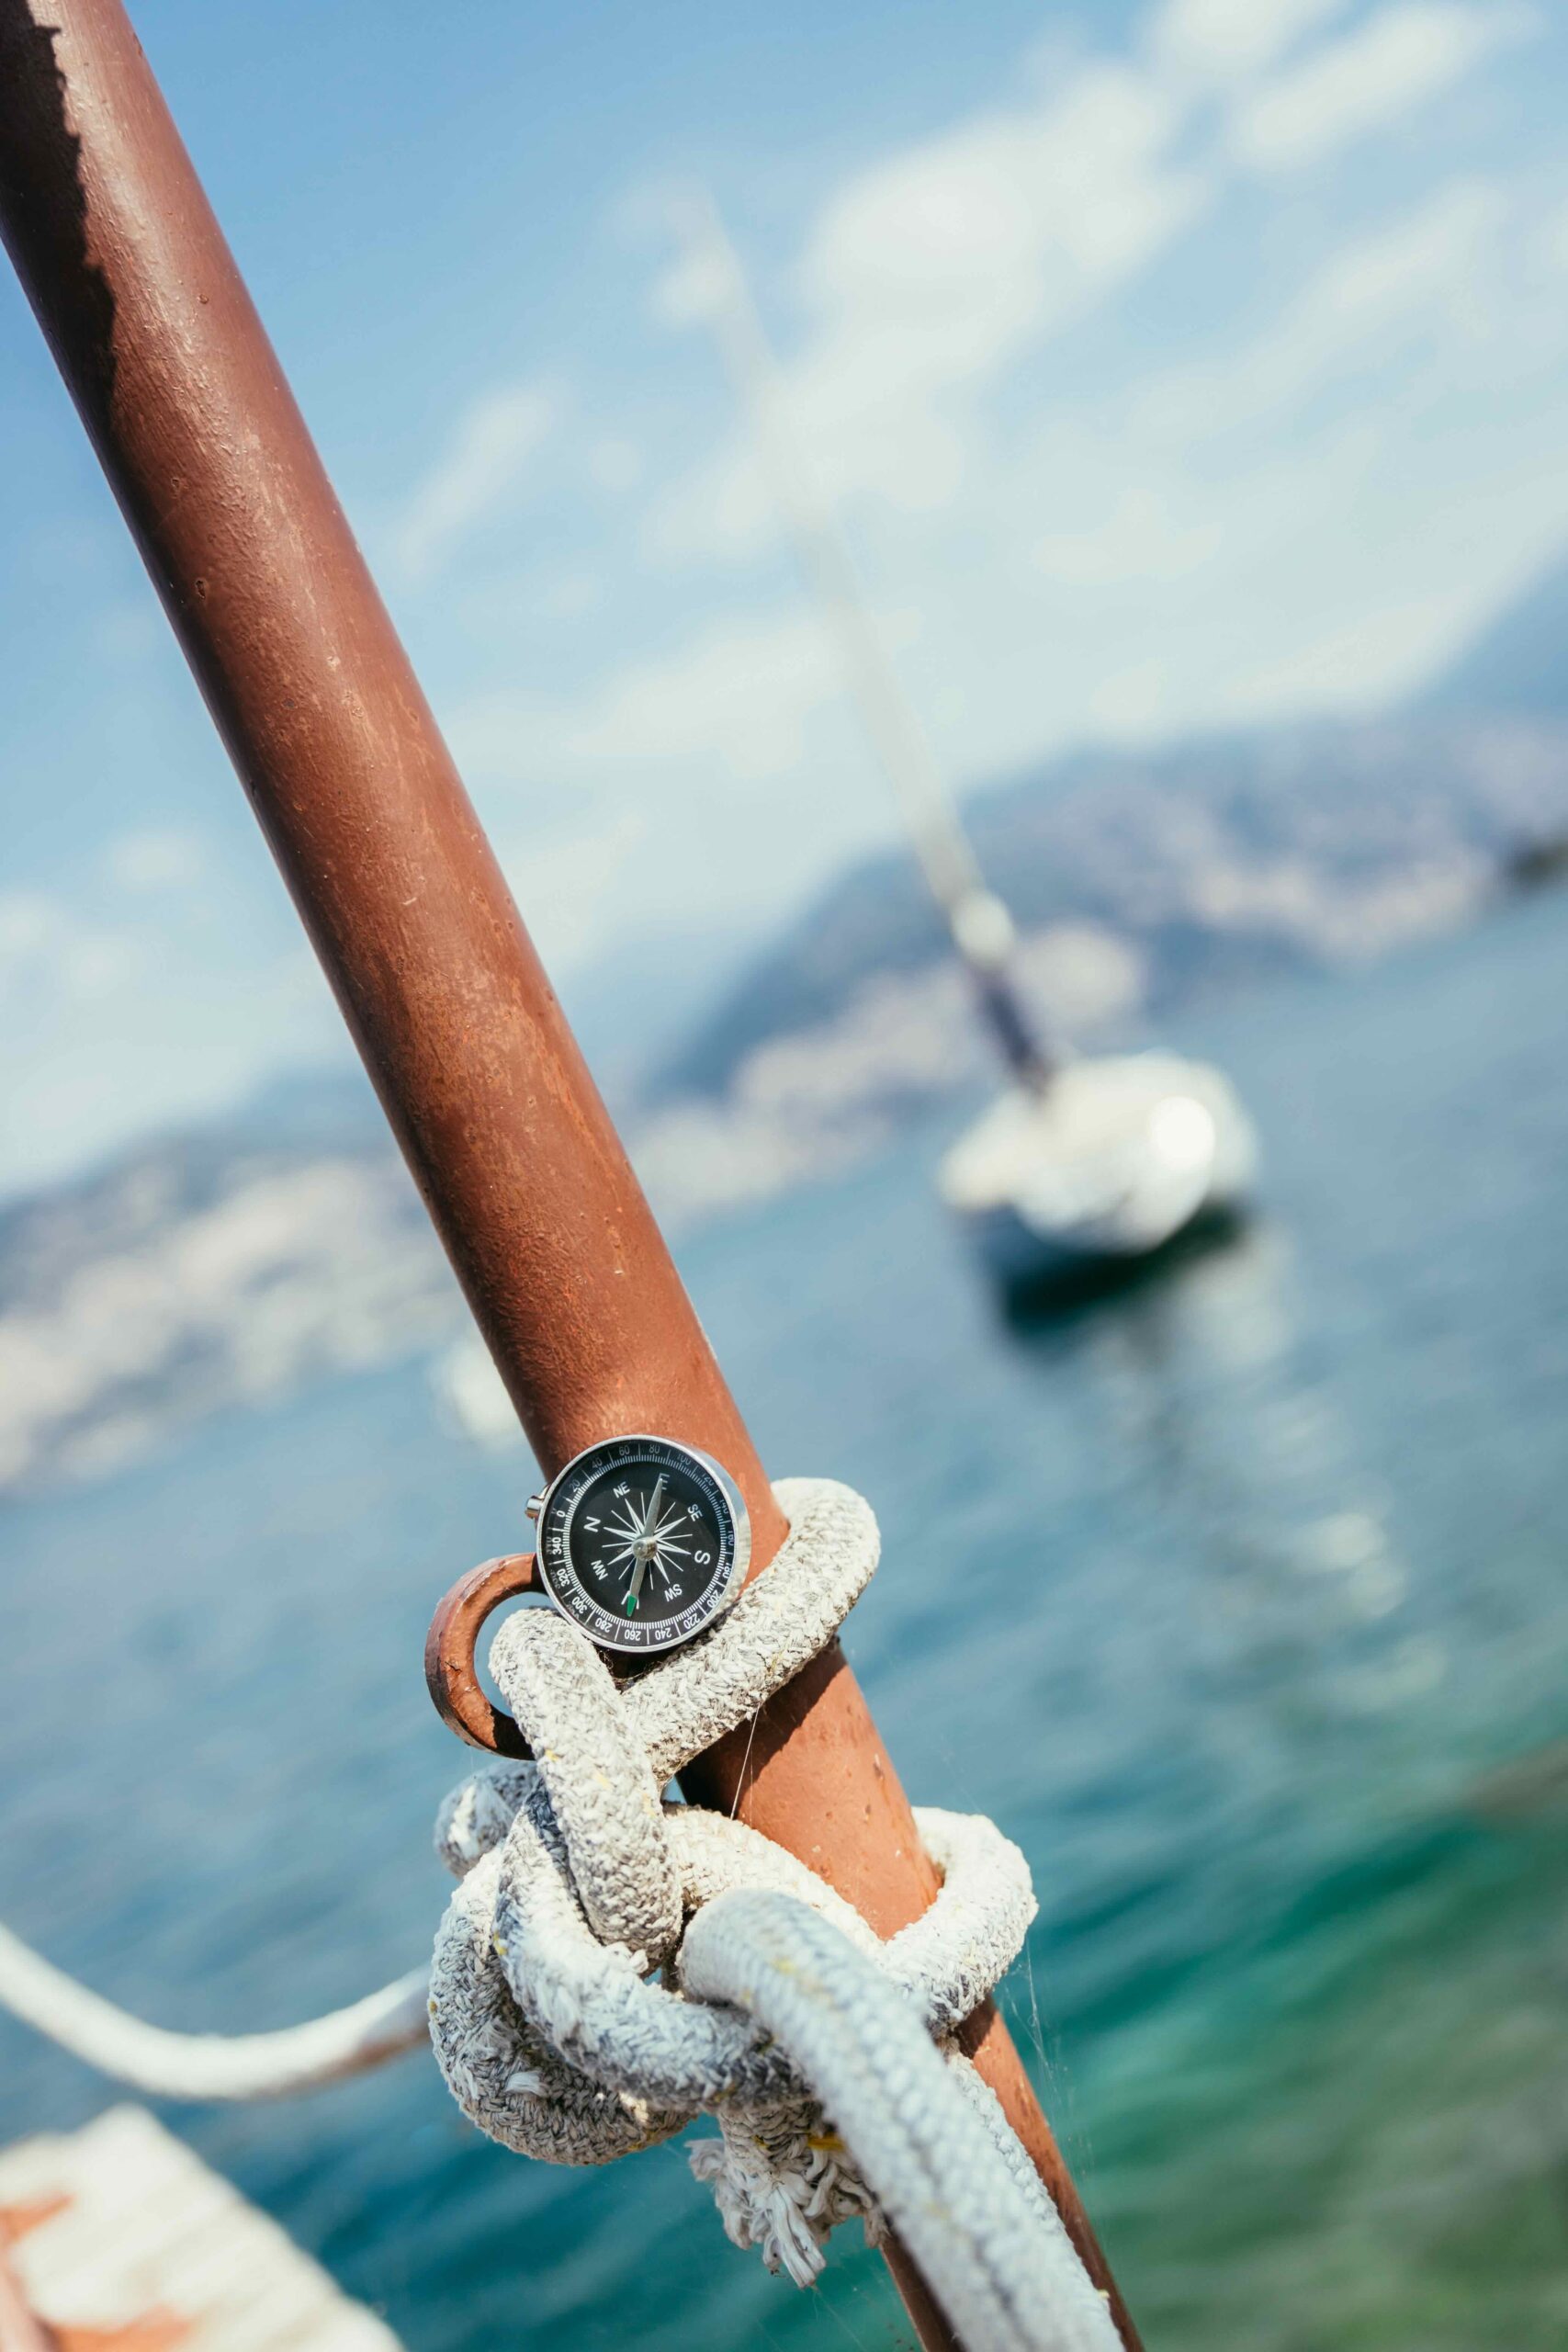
x,y
1520,664
1211,863
210,1269
1213,860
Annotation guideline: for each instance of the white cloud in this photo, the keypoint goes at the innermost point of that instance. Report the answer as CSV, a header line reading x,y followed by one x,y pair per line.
x,y
748,774
926,279
733,698
1303,520
737,693
162,858
1428,271
1358,664
1385,69
1228,40
1138,537
565,598
1553,238
1162,552
925,276
572,885
488,449
1263,514
616,464
50,952
1330,581
111,1026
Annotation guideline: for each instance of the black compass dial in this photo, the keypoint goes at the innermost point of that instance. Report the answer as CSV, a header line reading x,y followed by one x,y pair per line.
x,y
639,1543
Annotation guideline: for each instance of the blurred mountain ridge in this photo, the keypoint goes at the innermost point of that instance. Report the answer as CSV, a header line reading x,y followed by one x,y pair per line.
x,y
1518,663
208,1269
1223,856
232,1262
1217,860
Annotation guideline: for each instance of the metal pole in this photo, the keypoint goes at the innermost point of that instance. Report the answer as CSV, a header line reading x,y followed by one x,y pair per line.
x,y
514,1154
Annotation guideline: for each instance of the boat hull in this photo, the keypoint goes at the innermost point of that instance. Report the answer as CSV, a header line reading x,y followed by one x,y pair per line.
x,y
1123,1157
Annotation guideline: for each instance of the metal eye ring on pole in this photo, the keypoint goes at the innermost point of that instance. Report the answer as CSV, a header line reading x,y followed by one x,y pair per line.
x,y
461,1700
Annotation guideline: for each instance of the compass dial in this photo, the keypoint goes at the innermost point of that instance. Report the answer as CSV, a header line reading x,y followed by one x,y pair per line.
x,y
642,1543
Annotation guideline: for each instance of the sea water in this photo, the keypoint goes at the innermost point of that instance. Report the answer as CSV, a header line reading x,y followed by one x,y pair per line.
x,y
1240,1599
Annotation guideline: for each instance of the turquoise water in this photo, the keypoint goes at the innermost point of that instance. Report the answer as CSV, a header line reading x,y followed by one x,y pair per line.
x,y
1240,1599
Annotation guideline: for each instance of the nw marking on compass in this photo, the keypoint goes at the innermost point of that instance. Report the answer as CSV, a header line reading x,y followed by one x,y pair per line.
x,y
647,1535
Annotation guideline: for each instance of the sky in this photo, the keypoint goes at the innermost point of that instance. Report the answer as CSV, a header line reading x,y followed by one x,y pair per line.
x,y
1176,366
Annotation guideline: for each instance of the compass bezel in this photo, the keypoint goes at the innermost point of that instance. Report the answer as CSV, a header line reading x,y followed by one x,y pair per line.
x,y
558,1573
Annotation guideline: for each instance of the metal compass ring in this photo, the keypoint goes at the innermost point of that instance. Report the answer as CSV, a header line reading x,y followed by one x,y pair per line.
x,y
643,1542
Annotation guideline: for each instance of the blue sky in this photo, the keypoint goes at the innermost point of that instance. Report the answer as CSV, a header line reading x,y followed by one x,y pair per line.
x,y
1180,366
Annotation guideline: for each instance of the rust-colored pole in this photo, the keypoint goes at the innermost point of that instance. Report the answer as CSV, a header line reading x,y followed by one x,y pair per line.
x,y
518,1163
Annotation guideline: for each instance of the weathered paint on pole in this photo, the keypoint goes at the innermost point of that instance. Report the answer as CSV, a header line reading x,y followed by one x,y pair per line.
x,y
513,1150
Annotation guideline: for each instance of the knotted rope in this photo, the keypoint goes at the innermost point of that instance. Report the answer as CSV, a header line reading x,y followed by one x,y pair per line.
x,y
825,2055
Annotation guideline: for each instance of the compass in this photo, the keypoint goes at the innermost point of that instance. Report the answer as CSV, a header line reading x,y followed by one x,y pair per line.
x,y
642,1543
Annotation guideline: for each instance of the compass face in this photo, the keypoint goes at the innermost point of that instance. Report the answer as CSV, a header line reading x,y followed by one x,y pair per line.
x,y
642,1543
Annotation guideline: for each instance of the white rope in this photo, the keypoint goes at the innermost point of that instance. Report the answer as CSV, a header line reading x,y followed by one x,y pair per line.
x,y
166,2064
823,2054
988,2242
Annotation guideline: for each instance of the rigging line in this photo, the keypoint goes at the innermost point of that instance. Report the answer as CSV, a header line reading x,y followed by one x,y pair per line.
x,y
1037,2029
745,1761
825,2305
941,844
978,923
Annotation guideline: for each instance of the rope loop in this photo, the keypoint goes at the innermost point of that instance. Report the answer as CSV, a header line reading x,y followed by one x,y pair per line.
x,y
611,1966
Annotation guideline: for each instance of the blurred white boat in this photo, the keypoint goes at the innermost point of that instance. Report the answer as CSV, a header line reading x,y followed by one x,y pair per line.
x,y
1080,1162
1109,1160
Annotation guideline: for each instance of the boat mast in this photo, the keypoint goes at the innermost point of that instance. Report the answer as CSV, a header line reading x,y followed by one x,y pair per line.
x,y
517,1160
978,923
